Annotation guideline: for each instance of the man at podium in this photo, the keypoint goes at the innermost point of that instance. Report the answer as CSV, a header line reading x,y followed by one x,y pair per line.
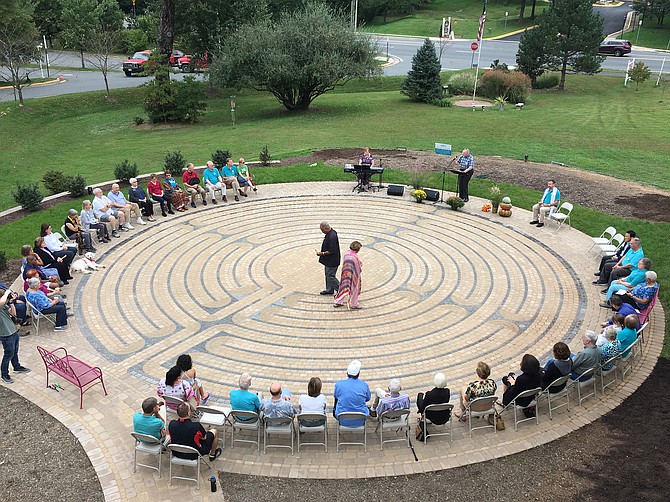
x,y
467,169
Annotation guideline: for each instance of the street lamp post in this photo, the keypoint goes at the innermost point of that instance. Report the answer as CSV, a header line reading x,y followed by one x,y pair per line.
x,y
639,27
354,14
506,14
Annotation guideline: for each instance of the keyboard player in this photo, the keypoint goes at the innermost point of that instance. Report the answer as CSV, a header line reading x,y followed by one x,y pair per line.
x,y
366,159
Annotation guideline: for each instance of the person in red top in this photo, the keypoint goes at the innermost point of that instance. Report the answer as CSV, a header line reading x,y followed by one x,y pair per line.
x,y
187,433
192,184
156,192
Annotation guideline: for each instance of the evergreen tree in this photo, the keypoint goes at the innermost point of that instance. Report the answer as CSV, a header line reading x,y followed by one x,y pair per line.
x,y
531,58
423,80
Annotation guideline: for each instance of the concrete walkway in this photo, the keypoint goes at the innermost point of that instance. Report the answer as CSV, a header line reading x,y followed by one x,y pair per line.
x,y
236,286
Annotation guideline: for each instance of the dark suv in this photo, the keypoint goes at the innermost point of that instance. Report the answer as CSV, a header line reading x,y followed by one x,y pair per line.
x,y
615,47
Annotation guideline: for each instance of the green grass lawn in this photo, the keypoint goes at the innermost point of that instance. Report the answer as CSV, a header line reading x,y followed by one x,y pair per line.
x,y
651,35
427,20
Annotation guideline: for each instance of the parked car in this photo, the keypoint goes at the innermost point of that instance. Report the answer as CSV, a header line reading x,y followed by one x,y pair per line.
x,y
189,63
615,47
136,63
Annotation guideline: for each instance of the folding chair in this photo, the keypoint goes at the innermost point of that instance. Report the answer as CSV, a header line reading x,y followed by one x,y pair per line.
x,y
393,420
585,384
360,429
611,247
640,331
305,426
174,460
612,362
533,393
426,421
481,407
278,426
245,421
561,215
626,364
604,238
644,315
149,445
171,405
216,416
35,316
565,392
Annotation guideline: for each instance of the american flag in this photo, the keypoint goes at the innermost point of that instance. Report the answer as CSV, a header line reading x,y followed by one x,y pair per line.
x,y
482,20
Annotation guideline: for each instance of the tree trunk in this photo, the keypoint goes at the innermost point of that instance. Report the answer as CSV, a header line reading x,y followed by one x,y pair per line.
x,y
532,12
104,76
81,54
165,38
522,9
564,69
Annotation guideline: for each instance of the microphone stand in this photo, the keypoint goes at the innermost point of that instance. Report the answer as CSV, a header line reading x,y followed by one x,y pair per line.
x,y
444,177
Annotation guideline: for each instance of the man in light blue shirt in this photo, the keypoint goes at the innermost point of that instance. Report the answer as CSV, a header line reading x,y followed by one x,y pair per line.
x,y
548,203
625,265
119,202
213,182
242,399
229,173
352,394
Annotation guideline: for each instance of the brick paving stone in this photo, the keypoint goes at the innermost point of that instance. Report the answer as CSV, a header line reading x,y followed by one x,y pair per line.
x,y
442,290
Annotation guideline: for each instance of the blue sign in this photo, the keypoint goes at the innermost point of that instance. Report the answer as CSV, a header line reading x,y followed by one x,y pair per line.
x,y
442,149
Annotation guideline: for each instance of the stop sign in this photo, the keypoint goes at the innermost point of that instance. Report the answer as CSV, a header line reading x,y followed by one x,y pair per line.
x,y
474,46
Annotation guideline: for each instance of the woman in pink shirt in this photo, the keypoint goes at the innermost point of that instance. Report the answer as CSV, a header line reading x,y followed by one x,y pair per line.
x,y
156,192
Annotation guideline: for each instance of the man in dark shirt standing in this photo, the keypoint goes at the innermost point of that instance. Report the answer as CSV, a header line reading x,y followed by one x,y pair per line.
x,y
329,257
187,433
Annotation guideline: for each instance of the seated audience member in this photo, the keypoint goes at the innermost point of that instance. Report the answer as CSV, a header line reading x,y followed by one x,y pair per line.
x,y
45,305
26,251
351,395
610,349
245,178
156,193
178,197
136,195
640,296
628,334
119,202
185,362
54,244
616,323
618,305
75,231
607,261
192,184
185,432
51,281
548,203
530,378
19,302
103,210
150,422
229,175
242,399
390,399
279,404
213,182
50,292
90,222
557,367
482,387
637,276
313,402
50,260
625,265
587,358
439,394
174,386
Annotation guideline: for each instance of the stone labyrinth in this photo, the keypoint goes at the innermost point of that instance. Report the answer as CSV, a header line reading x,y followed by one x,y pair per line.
x,y
237,288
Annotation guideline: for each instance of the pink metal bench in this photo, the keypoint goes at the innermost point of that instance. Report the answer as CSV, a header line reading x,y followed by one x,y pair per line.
x,y
74,370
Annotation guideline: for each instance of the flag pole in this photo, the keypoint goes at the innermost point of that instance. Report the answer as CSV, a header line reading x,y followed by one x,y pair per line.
x,y
480,37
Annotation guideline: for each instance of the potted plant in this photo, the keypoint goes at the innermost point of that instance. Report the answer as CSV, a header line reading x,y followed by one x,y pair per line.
x,y
495,196
419,195
501,102
455,202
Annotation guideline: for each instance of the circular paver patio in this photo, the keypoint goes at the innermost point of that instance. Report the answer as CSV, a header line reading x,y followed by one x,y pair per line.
x,y
236,286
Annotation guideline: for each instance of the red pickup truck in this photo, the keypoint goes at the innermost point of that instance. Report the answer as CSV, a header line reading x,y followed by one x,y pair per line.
x,y
136,63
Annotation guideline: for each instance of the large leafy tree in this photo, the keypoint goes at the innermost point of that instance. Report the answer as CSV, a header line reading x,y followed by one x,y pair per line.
x,y
79,25
105,37
423,80
568,37
47,16
303,55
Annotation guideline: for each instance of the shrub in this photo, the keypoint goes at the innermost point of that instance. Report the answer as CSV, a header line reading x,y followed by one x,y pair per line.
x,y
175,163
28,196
54,181
442,103
76,185
125,170
497,65
513,85
220,156
455,202
265,156
168,100
138,119
547,81
133,40
462,83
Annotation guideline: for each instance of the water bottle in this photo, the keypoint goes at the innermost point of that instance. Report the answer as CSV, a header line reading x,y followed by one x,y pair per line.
x,y
212,482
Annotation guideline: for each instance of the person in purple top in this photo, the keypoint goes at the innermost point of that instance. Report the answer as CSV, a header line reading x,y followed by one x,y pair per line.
x,y
391,399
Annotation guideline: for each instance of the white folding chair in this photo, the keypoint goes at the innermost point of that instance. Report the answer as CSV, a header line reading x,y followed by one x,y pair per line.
x,y
604,238
564,392
530,393
149,445
347,429
390,420
306,425
35,316
426,421
174,460
611,247
277,426
626,364
561,215
241,420
481,407
583,385
611,364
171,405
215,416
640,333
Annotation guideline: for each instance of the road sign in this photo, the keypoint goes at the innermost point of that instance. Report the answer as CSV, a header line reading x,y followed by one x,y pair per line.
x,y
474,46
